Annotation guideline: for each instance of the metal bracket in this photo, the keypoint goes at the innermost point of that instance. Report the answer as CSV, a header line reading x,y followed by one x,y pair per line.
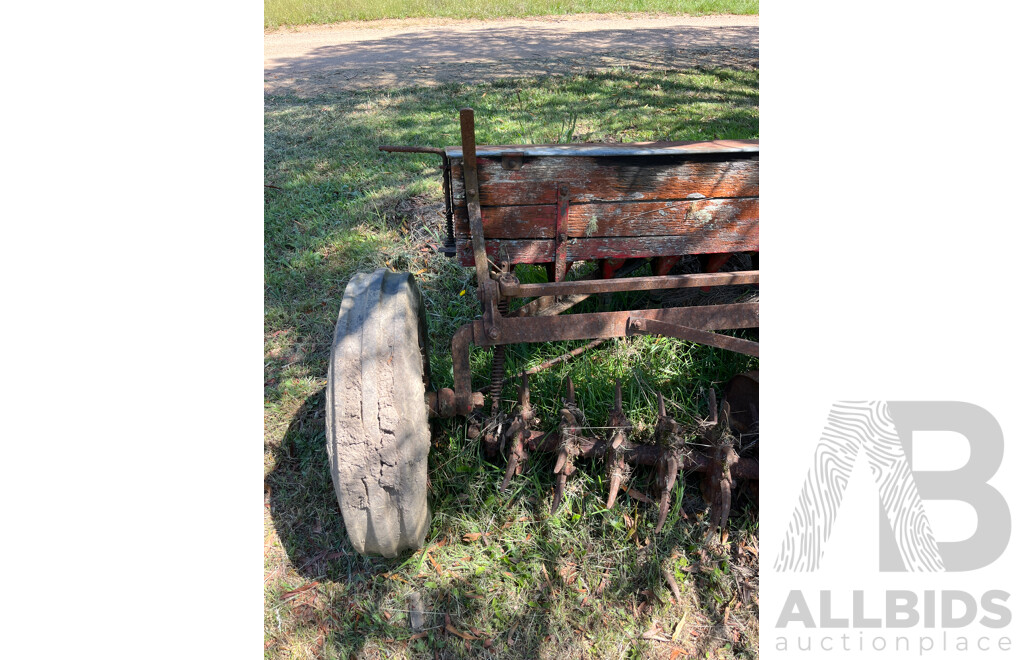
x,y
487,289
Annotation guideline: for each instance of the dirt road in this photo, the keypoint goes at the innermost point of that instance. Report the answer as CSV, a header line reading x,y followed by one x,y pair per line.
x,y
380,54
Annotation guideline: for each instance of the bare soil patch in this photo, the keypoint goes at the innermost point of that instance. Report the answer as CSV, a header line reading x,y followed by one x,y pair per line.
x,y
309,61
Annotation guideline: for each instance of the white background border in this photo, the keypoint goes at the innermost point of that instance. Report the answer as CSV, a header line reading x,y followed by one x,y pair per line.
x,y
133,276
890,163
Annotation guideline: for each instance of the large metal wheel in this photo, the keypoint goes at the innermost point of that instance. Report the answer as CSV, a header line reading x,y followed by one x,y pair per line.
x,y
378,435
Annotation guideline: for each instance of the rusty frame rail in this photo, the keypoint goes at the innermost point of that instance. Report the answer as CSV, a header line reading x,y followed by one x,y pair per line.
x,y
643,326
596,325
510,286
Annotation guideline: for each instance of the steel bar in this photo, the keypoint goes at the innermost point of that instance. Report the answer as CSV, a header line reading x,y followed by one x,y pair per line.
x,y
553,306
638,325
637,454
413,150
605,325
547,364
550,305
487,289
449,218
517,290
465,399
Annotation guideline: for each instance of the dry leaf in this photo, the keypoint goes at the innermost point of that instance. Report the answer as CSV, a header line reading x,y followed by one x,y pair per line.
x,y
288,594
450,628
679,629
637,495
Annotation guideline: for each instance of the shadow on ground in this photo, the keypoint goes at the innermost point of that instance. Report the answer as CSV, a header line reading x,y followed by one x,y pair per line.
x,y
432,57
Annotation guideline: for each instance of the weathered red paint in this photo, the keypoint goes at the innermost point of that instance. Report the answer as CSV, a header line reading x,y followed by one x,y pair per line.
x,y
743,239
609,179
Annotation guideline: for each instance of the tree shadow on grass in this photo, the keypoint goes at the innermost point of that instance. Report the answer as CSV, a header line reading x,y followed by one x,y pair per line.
x,y
435,57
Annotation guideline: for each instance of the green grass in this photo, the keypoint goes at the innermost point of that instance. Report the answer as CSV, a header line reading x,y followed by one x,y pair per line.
x,y
585,581
301,12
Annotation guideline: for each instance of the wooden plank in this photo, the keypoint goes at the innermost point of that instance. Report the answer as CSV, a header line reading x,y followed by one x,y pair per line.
x,y
511,221
681,218
609,179
526,251
615,219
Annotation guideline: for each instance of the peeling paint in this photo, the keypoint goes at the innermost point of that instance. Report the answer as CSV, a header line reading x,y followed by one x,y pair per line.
x,y
700,217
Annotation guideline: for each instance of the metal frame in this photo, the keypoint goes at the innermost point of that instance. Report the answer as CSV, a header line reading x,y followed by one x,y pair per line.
x,y
496,329
539,321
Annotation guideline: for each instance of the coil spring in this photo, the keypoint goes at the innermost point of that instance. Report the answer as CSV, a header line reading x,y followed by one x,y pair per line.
x,y
498,364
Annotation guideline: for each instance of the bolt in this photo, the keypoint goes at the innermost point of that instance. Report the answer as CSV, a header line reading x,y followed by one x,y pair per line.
x,y
493,332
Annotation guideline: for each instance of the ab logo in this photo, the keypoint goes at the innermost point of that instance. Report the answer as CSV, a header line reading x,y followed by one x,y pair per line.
x,y
882,430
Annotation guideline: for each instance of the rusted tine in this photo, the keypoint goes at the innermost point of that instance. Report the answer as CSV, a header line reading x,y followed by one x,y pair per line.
x,y
614,456
668,470
616,467
568,446
519,430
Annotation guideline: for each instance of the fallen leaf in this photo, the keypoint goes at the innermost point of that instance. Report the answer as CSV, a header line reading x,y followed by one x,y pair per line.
x,y
679,629
654,635
288,594
450,628
637,495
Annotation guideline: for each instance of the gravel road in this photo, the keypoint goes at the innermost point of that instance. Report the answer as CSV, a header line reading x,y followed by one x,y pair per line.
x,y
380,54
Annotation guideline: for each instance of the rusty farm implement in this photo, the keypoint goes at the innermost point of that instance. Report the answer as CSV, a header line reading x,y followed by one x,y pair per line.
x,y
622,206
